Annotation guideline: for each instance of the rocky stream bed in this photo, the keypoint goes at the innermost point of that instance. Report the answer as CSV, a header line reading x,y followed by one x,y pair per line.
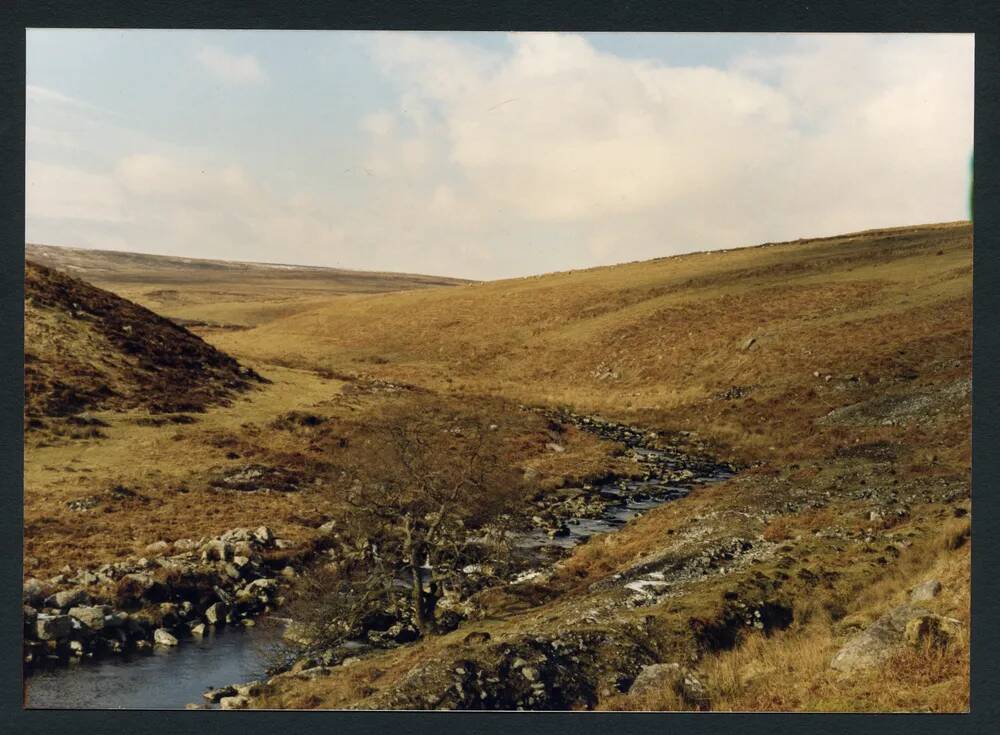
x,y
154,632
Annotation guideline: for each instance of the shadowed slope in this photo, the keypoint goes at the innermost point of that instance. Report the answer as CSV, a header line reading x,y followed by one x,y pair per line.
x,y
86,348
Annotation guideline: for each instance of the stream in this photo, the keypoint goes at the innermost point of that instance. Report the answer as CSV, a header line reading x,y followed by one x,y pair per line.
x,y
170,678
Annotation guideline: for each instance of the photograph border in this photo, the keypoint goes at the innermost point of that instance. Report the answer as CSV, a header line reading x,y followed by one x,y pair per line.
x,y
634,15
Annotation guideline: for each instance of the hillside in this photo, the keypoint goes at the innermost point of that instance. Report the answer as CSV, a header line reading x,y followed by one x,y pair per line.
x,y
87,349
718,341
219,294
834,374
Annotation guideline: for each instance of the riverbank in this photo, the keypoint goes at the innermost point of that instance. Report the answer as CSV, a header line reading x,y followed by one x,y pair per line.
x,y
191,595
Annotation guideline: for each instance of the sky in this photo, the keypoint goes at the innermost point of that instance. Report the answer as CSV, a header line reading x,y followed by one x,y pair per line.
x,y
487,155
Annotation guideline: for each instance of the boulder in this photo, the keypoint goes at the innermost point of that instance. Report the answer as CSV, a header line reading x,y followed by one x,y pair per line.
x,y
214,695
198,630
92,616
116,619
216,613
263,536
53,627
656,677
157,548
34,591
68,598
216,550
937,630
262,587
237,702
297,632
250,689
163,637
926,591
876,643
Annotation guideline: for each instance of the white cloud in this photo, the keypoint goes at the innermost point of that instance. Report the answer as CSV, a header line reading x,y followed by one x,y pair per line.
x,y
60,192
231,68
547,155
45,136
39,94
840,133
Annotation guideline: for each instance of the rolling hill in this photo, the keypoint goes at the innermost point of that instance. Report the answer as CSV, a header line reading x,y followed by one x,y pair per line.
x,y
216,293
834,373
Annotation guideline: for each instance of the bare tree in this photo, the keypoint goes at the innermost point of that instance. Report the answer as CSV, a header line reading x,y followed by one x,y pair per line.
x,y
419,495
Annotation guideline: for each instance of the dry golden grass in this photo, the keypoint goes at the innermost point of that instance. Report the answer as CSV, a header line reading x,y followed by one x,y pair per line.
x,y
790,670
886,315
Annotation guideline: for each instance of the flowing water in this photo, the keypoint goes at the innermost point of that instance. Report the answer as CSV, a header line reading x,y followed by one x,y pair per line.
x,y
170,678
166,678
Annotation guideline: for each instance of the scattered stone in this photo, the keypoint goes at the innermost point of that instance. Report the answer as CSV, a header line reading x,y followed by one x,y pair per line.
x,y
53,627
655,677
237,702
163,637
214,695
926,591
216,613
68,598
157,548
93,617
264,536
216,550
328,527
34,591
198,630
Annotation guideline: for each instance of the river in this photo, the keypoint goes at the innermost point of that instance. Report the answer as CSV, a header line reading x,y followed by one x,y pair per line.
x,y
170,678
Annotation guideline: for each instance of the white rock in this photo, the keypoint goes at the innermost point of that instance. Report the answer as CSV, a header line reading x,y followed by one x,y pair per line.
x,y
163,637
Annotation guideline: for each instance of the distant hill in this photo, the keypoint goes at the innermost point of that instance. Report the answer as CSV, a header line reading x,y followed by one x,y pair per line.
x,y
85,348
218,294
115,266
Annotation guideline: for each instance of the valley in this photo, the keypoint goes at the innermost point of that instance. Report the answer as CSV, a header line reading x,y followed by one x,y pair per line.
x,y
822,386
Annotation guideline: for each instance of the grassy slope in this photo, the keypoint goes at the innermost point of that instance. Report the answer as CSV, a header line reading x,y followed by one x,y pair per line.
x,y
661,340
879,321
887,315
